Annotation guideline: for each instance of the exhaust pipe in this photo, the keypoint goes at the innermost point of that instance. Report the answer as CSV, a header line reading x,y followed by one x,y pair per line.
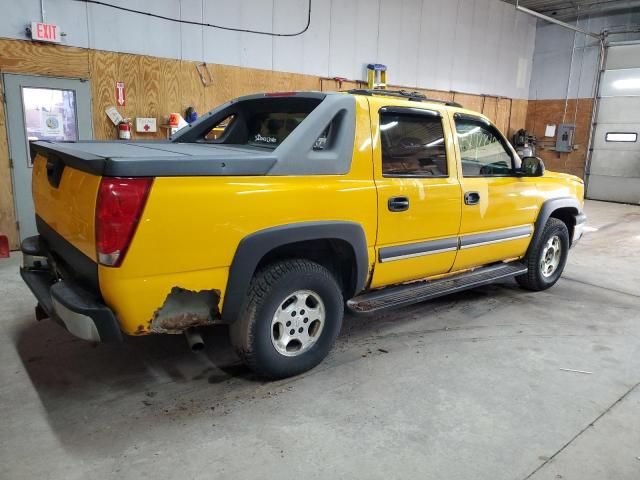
x,y
194,339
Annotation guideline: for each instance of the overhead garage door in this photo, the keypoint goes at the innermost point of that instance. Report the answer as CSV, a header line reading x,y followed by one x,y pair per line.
x,y
614,173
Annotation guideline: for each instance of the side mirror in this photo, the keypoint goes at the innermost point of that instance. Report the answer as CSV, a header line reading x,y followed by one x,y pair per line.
x,y
532,167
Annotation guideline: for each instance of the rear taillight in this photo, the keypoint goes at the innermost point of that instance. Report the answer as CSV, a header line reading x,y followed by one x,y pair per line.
x,y
118,210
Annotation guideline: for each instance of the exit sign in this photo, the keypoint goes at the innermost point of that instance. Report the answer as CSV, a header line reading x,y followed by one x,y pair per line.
x,y
45,32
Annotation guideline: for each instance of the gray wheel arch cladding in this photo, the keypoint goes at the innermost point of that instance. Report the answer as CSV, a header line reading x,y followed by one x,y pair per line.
x,y
255,246
546,211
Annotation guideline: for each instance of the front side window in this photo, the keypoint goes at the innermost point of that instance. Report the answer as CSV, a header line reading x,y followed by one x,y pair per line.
x,y
412,145
482,150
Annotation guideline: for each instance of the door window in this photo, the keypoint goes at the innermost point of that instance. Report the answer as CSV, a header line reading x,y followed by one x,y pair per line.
x,y
621,137
49,114
412,145
483,151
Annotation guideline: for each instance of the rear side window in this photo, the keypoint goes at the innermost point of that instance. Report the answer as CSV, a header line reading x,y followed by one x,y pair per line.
x,y
412,145
482,150
263,122
219,130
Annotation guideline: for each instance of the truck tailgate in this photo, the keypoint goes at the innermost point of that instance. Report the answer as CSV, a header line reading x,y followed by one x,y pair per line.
x,y
65,201
65,183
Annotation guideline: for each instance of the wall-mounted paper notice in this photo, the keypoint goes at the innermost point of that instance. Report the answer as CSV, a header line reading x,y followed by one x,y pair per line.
x,y
113,115
550,131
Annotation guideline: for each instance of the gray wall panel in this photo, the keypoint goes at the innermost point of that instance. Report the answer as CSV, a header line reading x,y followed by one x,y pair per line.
x,y
474,46
191,36
114,30
552,56
398,40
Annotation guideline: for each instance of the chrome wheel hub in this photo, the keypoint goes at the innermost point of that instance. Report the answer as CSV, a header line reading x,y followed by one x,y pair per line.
x,y
551,254
298,323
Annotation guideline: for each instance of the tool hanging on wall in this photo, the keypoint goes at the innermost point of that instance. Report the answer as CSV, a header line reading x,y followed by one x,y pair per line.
x,y
205,74
376,76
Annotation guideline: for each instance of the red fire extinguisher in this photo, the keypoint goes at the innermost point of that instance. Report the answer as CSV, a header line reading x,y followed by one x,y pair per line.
x,y
124,130
4,246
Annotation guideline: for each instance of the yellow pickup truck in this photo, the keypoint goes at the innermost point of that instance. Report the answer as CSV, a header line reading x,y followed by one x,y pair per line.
x,y
274,211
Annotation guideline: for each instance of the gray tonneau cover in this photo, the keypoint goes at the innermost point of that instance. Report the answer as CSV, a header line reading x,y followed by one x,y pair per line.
x,y
158,158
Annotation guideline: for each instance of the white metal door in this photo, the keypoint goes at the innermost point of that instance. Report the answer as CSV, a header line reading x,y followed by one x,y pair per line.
x,y
41,108
614,171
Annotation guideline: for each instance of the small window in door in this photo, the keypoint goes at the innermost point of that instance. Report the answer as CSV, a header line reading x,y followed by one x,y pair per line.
x,y
49,114
621,137
412,146
483,152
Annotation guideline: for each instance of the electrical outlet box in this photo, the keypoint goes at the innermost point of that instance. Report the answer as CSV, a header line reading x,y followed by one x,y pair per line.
x,y
564,139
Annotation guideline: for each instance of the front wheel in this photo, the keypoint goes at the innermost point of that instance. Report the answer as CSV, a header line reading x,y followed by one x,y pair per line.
x,y
547,258
290,320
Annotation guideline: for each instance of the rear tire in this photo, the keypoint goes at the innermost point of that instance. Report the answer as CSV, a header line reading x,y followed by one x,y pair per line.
x,y
547,258
290,319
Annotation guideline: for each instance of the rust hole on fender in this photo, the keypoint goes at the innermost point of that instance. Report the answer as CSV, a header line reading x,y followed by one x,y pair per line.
x,y
184,309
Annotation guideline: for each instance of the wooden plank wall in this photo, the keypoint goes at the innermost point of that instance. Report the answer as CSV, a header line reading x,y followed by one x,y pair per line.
x,y
551,112
156,87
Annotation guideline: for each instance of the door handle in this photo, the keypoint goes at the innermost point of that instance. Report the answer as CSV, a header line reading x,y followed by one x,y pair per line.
x,y
472,198
398,204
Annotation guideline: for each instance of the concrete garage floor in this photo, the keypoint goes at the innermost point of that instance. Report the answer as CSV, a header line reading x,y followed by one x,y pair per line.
x,y
467,387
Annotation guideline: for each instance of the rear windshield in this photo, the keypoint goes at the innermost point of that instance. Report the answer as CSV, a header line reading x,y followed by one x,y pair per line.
x,y
270,129
263,123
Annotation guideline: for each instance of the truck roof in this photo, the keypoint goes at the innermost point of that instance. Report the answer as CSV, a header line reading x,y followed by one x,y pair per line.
x,y
413,96
404,97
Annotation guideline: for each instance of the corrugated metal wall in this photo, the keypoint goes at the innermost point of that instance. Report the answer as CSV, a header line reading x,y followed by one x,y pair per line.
x,y
475,46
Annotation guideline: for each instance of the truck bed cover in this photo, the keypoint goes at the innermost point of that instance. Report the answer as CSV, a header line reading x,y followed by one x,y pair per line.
x,y
157,159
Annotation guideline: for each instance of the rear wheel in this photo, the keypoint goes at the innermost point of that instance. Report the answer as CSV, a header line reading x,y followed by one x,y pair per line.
x,y
290,320
547,258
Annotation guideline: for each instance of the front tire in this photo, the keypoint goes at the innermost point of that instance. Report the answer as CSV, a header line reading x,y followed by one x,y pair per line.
x,y
547,258
290,320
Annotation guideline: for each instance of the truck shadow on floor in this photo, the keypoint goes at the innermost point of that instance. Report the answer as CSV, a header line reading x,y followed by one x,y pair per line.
x,y
154,380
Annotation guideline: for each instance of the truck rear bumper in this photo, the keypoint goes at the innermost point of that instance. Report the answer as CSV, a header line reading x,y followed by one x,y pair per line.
x,y
79,311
